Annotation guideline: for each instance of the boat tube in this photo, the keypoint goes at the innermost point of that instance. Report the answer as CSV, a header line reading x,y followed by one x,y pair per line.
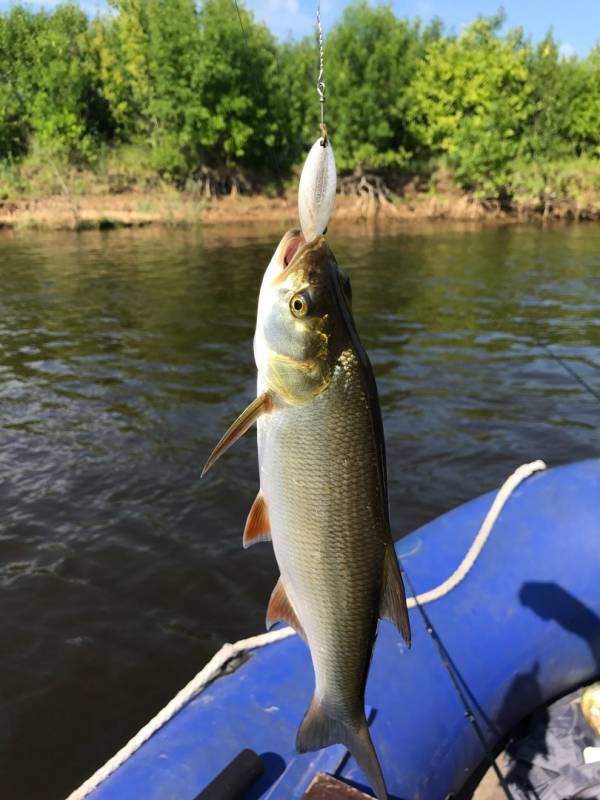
x,y
521,629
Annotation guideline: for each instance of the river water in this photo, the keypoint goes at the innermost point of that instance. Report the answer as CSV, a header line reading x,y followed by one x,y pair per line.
x,y
123,357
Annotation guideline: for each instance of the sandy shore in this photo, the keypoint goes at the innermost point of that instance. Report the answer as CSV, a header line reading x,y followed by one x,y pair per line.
x,y
138,209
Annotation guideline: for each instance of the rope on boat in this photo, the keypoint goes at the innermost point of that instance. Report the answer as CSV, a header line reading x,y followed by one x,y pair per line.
x,y
508,487
211,671
217,663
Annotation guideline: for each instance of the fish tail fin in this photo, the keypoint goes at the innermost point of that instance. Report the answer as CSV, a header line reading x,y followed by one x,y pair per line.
x,y
318,730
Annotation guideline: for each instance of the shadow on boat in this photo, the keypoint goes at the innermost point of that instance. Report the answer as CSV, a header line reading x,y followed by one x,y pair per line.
x,y
274,767
551,602
530,738
527,753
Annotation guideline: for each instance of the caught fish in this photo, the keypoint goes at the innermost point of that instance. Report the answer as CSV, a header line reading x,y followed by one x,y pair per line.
x,y
323,488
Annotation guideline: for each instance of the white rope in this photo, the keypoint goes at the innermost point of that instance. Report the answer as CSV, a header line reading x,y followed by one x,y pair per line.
x,y
204,677
229,651
510,484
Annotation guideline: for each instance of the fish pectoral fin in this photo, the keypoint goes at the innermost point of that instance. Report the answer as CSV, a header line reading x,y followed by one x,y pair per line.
x,y
319,729
258,525
281,610
393,598
262,405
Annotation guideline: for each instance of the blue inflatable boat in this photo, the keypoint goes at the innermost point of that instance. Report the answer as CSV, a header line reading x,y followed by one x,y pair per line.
x,y
521,629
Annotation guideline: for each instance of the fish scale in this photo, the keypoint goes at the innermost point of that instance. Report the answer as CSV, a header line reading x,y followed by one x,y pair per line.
x,y
324,517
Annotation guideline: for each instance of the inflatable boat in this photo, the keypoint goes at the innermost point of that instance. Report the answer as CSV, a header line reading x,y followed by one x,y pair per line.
x,y
521,627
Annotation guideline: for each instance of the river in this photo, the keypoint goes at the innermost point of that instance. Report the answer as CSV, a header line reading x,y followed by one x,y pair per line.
x,y
123,357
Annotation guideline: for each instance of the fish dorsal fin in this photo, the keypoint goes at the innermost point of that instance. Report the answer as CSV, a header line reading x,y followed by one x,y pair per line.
x,y
262,405
258,525
281,610
393,598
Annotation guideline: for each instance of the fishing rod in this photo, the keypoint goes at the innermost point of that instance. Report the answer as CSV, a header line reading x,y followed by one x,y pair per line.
x,y
568,368
239,16
452,672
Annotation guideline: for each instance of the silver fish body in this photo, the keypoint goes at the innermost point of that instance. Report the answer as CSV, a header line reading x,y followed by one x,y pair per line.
x,y
318,473
323,488
323,479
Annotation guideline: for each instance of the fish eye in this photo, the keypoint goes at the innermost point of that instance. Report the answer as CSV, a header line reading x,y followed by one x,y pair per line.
x,y
298,305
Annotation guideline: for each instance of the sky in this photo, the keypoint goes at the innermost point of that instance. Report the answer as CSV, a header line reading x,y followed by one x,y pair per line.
x,y
576,24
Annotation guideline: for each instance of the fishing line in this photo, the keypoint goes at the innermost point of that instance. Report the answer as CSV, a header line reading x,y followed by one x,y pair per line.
x,y
239,16
568,368
456,681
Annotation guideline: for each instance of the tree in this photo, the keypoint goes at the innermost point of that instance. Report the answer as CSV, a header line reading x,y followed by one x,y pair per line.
x,y
18,29
63,91
371,59
121,43
470,102
583,117
240,89
298,108
555,84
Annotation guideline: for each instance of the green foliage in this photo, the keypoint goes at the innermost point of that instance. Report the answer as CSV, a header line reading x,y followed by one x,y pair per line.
x,y
372,58
583,116
555,83
239,88
167,87
63,94
471,102
298,107
19,29
574,181
193,84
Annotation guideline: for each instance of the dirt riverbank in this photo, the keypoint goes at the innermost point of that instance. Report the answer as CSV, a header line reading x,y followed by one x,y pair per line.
x,y
171,208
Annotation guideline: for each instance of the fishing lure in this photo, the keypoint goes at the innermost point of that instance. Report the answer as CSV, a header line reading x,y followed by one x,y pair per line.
x,y
316,192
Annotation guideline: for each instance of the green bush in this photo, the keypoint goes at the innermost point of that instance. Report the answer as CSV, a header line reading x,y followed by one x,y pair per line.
x,y
158,89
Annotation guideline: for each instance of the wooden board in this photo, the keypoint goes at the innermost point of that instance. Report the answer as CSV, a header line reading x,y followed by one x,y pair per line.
x,y
324,787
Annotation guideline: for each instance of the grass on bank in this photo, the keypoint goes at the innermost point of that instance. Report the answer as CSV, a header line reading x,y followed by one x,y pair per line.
x,y
121,188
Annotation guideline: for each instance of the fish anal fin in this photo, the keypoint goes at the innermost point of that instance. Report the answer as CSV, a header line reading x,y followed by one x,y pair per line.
x,y
262,405
258,525
393,598
281,610
320,729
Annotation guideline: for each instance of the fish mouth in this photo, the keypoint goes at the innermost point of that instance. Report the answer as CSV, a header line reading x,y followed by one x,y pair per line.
x,y
291,243
295,249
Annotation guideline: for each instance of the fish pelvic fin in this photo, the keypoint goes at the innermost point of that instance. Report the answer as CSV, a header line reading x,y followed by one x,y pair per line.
x,y
319,729
262,405
258,525
393,597
281,610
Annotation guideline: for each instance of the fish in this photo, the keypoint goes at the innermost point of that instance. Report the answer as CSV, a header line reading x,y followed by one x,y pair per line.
x,y
323,497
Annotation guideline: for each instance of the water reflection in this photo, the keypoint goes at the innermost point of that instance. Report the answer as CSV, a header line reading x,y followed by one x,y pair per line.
x,y
124,355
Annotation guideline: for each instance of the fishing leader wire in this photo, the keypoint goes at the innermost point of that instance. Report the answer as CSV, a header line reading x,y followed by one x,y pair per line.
x,y
321,77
